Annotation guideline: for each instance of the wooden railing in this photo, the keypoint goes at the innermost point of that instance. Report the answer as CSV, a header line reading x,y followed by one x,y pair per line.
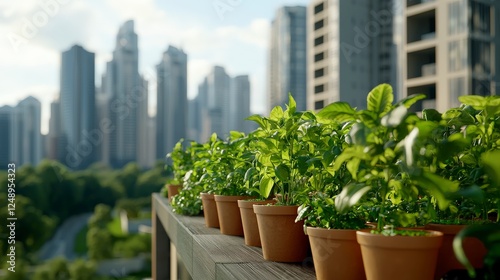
x,y
184,248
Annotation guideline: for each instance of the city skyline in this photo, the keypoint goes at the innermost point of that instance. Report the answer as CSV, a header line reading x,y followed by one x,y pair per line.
x,y
211,33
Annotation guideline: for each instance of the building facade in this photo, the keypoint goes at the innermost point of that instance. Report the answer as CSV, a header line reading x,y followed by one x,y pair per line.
x,y
450,49
350,50
287,57
26,138
127,94
172,103
77,108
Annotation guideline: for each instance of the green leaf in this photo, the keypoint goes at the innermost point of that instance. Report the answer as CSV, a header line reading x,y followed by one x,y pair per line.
x,y
491,163
359,133
259,120
476,101
394,117
337,112
292,105
249,174
283,172
438,187
350,196
431,115
266,185
489,234
380,99
410,100
276,113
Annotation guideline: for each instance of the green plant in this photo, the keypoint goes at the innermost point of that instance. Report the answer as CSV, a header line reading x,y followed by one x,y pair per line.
x,y
478,120
281,154
386,140
181,162
489,234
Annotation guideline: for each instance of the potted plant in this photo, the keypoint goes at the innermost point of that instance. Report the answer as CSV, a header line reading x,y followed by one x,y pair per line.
x,y
384,141
181,163
477,121
278,151
487,233
228,166
332,235
260,191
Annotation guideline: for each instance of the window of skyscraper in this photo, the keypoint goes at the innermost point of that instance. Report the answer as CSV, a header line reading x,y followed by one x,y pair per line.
x,y
480,18
319,24
319,104
318,8
320,40
319,89
457,88
481,87
319,56
481,58
457,17
319,73
457,55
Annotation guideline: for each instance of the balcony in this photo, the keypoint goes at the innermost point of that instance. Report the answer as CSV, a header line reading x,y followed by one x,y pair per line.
x,y
184,248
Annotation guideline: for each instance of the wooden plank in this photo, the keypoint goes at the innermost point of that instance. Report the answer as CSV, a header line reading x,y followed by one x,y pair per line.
x,y
212,249
207,254
263,270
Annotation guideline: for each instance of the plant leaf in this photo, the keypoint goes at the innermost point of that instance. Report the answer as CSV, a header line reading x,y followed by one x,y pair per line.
x,y
394,117
266,185
337,112
350,195
410,100
476,101
283,172
380,99
438,187
431,115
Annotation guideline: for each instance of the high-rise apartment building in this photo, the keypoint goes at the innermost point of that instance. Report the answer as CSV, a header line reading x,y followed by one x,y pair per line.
x,y
222,105
26,136
77,108
172,103
6,114
450,49
350,50
55,140
288,58
239,109
126,92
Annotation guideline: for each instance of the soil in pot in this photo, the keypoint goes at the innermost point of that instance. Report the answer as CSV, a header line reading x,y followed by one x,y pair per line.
x,y
209,210
249,221
474,249
283,240
399,257
336,254
229,214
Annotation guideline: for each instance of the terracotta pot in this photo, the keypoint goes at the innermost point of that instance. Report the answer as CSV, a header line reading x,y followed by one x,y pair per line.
x,y
283,240
229,214
336,254
473,248
249,221
209,210
399,257
173,189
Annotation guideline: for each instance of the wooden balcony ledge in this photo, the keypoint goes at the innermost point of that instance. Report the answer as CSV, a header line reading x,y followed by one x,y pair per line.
x,y
184,248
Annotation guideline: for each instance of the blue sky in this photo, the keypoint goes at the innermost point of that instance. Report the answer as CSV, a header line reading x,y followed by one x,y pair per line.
x,y
230,33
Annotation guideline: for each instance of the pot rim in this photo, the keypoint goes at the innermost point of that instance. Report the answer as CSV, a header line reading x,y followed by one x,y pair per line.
x,y
245,203
229,198
327,233
279,210
366,238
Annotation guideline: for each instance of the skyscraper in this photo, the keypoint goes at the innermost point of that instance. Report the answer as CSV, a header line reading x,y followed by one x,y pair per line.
x,y
6,114
450,50
55,145
350,50
171,112
125,89
218,101
222,104
239,109
26,135
287,57
77,105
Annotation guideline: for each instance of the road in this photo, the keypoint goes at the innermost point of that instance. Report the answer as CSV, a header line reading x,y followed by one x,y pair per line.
x,y
62,243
